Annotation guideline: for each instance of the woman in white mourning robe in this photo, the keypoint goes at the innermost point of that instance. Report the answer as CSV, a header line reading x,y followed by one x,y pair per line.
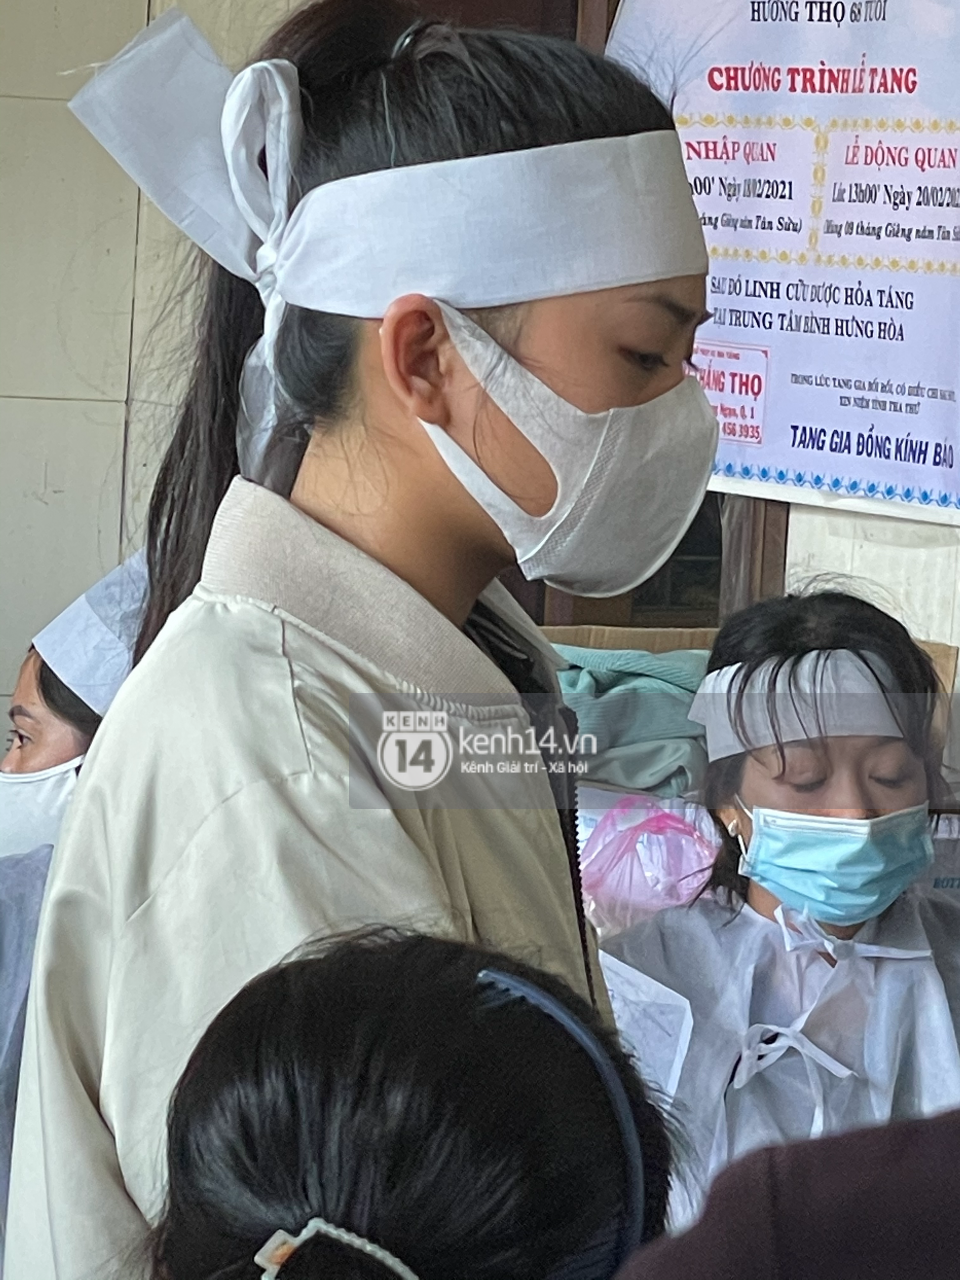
x,y
823,987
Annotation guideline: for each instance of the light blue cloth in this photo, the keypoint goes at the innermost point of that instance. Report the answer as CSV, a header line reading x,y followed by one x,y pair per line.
x,y
636,705
22,880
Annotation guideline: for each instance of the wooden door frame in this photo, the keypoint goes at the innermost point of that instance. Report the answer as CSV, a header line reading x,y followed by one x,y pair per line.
x,y
753,558
594,20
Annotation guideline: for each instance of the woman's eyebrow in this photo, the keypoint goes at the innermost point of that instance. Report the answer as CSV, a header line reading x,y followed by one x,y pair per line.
x,y
17,712
683,315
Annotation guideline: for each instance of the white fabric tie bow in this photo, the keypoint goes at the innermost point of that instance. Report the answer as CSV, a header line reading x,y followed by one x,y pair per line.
x,y
764,1044
261,115
802,933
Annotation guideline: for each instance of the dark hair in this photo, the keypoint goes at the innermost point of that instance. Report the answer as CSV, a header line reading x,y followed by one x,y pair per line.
x,y
374,1085
64,703
787,628
444,94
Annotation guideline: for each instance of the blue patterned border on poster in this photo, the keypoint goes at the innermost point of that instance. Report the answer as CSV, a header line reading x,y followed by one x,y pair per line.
x,y
840,485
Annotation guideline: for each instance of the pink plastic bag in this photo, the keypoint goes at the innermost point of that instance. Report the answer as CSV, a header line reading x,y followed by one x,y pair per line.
x,y
643,855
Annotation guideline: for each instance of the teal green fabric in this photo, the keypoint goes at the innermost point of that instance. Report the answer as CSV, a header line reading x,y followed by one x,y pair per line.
x,y
636,705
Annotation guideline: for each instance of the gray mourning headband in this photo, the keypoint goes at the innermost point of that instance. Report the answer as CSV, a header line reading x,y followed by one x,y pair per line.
x,y
829,693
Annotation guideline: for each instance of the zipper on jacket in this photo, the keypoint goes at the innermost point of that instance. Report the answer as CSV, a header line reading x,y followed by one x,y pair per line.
x,y
569,827
509,651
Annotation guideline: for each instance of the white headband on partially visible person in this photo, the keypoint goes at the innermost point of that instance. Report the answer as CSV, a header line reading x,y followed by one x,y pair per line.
x,y
829,693
89,646
481,231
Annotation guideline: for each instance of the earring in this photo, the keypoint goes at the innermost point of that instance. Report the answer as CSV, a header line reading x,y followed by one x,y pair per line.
x,y
734,828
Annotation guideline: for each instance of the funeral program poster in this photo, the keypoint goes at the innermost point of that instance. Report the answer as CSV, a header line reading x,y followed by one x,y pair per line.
x,y
821,139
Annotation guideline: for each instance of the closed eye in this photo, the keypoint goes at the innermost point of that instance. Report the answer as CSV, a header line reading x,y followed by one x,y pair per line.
x,y
647,360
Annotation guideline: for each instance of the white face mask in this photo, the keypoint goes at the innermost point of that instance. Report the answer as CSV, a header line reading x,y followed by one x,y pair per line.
x,y
32,806
629,481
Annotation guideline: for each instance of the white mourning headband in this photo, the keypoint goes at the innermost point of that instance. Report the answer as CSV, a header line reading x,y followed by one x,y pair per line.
x,y
281,1246
89,646
477,232
829,693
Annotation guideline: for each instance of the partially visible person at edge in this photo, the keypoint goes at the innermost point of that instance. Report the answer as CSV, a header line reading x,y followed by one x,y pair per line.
x,y
512,1135
66,682
234,803
879,1204
824,985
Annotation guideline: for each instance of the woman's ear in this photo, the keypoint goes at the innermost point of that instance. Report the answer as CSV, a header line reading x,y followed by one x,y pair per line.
x,y
415,350
732,819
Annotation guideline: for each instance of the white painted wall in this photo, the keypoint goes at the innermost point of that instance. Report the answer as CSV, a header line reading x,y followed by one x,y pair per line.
x,y
87,379
906,567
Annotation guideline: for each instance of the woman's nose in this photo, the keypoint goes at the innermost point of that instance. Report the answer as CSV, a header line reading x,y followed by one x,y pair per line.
x,y
846,802
847,813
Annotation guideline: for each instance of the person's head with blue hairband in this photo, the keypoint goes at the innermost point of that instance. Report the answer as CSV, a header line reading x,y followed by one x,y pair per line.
x,y
398,1105
819,715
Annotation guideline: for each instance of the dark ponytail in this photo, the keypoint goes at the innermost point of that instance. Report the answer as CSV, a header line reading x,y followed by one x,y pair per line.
x,y
201,459
370,101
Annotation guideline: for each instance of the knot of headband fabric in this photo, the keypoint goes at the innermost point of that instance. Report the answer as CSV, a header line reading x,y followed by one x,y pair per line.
x,y
481,231
829,693
261,115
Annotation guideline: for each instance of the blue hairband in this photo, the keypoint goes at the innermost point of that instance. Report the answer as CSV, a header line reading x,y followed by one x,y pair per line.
x,y
592,1263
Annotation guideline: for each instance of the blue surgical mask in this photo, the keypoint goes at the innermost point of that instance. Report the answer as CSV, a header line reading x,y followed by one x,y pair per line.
x,y
841,870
